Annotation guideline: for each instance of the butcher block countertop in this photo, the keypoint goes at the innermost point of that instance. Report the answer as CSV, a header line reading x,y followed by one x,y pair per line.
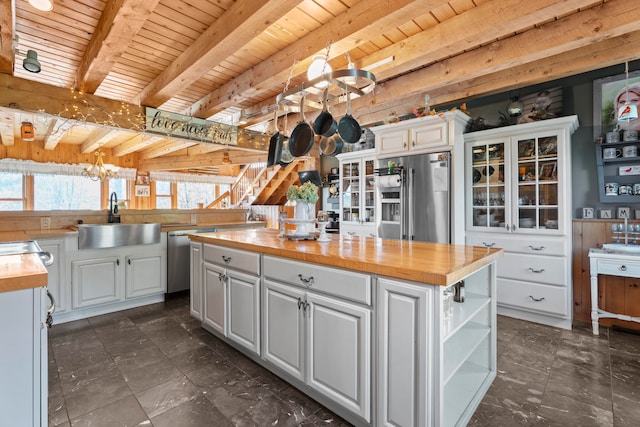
x,y
432,263
21,272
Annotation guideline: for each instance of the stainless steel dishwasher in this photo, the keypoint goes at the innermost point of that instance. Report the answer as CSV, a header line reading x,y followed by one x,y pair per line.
x,y
178,258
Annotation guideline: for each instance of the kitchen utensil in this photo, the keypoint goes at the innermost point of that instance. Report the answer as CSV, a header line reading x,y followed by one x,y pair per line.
x,y
332,145
324,124
301,139
275,144
348,128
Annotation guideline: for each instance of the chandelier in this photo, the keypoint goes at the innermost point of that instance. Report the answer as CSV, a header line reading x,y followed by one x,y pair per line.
x,y
99,171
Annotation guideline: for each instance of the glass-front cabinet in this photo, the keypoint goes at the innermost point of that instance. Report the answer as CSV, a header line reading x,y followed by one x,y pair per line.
x,y
517,183
357,190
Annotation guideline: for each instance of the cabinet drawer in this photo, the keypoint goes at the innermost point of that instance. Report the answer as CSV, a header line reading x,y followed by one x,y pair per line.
x,y
522,244
619,268
341,283
232,258
539,269
533,296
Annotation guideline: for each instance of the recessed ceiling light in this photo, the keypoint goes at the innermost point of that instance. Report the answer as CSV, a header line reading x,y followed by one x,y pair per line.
x,y
43,5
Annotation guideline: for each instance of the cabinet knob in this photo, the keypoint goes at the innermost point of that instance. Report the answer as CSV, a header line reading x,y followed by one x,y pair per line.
x,y
533,270
623,268
536,299
307,281
118,261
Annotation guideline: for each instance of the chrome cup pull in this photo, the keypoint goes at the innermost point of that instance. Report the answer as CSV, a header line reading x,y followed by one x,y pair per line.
x,y
533,270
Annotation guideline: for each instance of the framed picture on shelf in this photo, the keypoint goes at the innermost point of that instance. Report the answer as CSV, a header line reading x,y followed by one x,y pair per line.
x,y
548,171
142,179
143,190
609,94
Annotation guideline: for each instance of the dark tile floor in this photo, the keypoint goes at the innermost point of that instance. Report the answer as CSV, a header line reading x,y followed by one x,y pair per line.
x,y
155,366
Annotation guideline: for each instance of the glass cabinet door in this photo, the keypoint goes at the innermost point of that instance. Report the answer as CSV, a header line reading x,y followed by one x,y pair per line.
x,y
350,190
369,192
488,177
536,194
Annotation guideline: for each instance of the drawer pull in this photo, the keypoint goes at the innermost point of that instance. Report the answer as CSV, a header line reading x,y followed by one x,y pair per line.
x,y
488,245
307,281
536,299
226,259
533,270
622,268
533,248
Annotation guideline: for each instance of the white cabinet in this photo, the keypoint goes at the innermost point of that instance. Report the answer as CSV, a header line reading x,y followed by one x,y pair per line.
x,y
232,294
434,369
23,358
518,197
420,135
95,281
215,288
357,193
317,338
144,275
196,282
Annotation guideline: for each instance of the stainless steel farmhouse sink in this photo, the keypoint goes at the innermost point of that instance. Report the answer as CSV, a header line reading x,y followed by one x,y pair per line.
x,y
98,236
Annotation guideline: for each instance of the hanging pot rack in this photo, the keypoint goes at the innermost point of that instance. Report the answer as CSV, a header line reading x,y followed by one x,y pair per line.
x,y
364,83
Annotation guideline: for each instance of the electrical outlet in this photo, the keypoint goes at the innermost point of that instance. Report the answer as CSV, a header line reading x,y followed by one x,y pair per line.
x,y
45,223
193,218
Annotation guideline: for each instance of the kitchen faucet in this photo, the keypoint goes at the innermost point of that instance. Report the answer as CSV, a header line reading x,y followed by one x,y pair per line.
x,y
113,208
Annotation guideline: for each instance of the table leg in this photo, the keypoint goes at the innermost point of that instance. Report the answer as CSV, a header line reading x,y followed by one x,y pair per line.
x,y
594,304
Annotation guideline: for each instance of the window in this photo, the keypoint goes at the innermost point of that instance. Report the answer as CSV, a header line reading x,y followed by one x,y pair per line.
x,y
12,194
163,195
121,188
192,193
64,192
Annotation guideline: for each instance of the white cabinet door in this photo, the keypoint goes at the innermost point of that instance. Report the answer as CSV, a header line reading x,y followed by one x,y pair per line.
x,y
195,277
243,310
144,276
95,281
405,354
283,328
23,358
339,352
214,297
429,137
395,141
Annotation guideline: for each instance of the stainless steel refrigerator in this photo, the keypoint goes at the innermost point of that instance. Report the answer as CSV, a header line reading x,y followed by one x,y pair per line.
x,y
414,198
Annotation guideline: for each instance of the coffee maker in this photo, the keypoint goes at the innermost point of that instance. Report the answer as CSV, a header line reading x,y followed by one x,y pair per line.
x,y
334,222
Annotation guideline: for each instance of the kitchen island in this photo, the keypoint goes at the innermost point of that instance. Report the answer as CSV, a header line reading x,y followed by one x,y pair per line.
x,y
364,325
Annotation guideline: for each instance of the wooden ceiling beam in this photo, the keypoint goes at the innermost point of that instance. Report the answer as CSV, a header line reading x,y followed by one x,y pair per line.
x,y
346,31
243,21
462,32
7,127
188,161
96,139
55,131
165,147
138,142
7,29
119,23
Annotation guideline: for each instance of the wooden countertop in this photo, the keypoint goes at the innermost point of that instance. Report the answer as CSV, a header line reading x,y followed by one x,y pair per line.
x,y
21,272
18,236
432,263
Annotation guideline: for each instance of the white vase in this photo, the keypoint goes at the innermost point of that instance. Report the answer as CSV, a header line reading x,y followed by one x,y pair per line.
x,y
303,211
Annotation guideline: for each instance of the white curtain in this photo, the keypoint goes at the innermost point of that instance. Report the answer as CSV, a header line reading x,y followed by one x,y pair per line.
x,y
29,167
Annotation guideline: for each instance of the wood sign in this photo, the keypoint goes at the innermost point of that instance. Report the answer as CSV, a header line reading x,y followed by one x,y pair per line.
x,y
192,128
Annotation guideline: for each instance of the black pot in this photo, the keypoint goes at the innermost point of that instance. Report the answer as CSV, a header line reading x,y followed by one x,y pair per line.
x,y
301,139
324,124
348,128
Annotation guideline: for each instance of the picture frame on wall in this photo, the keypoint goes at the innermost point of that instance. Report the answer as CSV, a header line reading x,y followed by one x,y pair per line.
x,y
608,94
142,180
143,190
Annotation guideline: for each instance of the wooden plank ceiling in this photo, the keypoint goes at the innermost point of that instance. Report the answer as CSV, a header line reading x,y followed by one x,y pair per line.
x,y
214,58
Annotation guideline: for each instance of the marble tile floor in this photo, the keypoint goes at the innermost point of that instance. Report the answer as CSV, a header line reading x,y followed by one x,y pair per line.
x,y
155,366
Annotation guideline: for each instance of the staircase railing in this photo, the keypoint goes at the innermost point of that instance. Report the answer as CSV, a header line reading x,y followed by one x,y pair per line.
x,y
243,187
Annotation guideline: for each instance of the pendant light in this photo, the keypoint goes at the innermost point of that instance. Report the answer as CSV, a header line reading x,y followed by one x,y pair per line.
x,y
31,63
628,111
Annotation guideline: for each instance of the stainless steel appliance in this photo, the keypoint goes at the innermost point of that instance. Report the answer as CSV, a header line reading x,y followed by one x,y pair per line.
x,y
414,198
178,258
32,247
